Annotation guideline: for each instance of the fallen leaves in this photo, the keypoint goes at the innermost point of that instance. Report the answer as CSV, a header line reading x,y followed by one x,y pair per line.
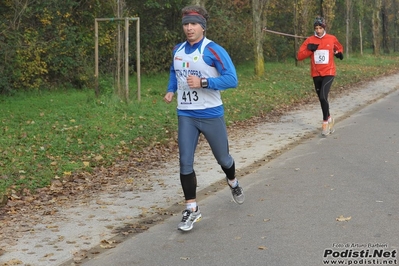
x,y
56,185
13,262
22,210
98,158
341,218
107,244
79,255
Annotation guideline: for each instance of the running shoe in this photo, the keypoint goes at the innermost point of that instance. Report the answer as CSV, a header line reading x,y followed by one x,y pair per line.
x,y
331,125
189,218
325,129
238,194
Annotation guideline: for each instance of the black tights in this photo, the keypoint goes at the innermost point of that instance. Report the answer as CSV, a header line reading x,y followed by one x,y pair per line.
x,y
189,182
322,86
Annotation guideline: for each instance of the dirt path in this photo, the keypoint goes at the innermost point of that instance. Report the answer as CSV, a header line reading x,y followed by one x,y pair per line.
x,y
70,228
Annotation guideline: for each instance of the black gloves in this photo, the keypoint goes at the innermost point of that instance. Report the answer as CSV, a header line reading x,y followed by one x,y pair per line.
x,y
312,47
339,55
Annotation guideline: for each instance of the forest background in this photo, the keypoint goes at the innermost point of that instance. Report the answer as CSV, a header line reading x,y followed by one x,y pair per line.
x,y
50,44
55,131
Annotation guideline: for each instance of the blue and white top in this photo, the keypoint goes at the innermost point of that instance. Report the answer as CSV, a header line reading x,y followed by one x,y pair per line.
x,y
204,59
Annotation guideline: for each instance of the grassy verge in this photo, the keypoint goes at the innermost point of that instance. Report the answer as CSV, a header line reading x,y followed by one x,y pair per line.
x,y
47,135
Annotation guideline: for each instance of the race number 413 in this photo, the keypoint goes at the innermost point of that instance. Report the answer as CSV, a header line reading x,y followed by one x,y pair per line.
x,y
190,96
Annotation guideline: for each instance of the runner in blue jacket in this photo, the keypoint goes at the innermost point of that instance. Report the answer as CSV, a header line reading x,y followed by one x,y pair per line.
x,y
200,69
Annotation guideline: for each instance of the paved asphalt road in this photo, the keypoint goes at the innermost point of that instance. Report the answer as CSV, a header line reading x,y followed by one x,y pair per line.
x,y
325,200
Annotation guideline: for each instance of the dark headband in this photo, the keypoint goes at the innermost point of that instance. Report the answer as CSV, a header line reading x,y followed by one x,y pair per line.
x,y
194,17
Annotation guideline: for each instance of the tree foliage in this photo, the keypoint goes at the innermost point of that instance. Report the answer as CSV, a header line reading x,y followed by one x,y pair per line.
x,y
46,43
50,44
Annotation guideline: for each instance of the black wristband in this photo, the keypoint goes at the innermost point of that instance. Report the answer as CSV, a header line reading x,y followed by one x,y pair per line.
x,y
204,83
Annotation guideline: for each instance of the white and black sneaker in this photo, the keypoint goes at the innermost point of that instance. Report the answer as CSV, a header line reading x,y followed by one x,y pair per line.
x,y
238,194
189,218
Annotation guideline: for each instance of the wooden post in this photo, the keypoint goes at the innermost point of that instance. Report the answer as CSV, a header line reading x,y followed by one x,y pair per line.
x,y
96,58
138,59
127,59
126,54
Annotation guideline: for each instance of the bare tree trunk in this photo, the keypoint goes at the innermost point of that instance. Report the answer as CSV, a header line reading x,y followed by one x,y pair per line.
x,y
395,25
296,42
385,36
361,37
118,53
121,54
258,9
321,8
328,12
348,23
376,21
360,9
302,12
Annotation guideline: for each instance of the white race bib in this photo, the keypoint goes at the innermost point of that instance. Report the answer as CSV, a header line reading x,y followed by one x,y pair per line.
x,y
321,56
187,96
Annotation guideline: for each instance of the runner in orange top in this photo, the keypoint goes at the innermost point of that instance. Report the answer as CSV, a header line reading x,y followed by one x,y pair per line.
x,y
321,48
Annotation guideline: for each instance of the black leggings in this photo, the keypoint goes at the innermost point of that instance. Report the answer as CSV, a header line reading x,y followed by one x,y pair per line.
x,y
322,86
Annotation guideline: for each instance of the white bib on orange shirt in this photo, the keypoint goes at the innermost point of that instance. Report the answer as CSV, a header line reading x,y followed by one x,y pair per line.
x,y
321,57
193,64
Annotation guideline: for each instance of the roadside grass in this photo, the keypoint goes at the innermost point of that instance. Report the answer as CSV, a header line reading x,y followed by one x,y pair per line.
x,y
50,135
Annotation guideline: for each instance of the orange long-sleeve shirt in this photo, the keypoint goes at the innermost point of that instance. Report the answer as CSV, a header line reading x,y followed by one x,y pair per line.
x,y
322,60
